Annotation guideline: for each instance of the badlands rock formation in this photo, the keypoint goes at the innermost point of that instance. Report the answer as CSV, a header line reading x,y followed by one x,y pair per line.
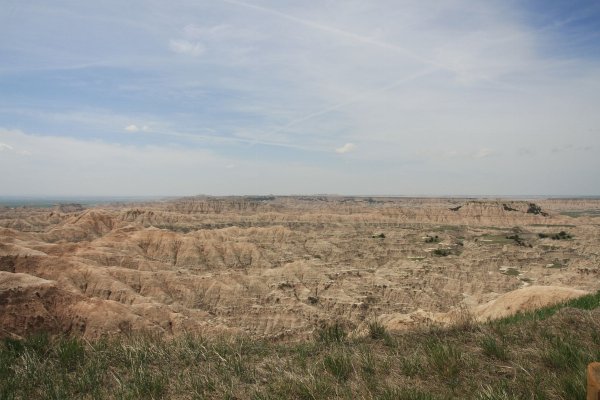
x,y
281,266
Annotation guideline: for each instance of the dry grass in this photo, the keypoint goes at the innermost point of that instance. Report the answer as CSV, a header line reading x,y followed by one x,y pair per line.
x,y
541,355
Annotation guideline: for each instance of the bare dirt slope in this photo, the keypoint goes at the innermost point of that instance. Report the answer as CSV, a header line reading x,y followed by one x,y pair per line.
x,y
279,267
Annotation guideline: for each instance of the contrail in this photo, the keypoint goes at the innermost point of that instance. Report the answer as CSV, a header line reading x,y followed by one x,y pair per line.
x,y
433,65
354,99
339,32
230,139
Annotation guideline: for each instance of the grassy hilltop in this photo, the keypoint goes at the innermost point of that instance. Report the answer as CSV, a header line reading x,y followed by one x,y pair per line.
x,y
539,355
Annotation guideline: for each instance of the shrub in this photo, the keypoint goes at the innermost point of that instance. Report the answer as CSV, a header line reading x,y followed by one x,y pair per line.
x,y
432,239
562,235
442,252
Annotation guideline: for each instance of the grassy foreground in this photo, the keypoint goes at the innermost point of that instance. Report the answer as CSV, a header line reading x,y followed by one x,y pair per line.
x,y
539,355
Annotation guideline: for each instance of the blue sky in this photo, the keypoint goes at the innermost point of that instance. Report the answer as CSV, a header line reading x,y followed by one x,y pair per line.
x,y
283,97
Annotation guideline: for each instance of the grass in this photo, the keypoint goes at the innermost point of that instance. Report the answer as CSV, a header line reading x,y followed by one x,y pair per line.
x,y
494,348
339,365
511,272
580,213
588,302
334,333
495,239
377,331
536,355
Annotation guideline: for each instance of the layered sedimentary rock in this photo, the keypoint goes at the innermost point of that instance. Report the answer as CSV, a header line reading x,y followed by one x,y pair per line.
x,y
282,266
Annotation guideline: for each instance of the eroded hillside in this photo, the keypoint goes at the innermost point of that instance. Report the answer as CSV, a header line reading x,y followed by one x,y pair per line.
x,y
279,267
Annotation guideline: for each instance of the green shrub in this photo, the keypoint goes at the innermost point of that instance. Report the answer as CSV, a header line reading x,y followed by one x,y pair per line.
x,y
432,239
442,252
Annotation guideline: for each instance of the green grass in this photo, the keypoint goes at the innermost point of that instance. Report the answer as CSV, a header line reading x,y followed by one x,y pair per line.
x,y
554,225
511,272
377,330
339,365
494,348
536,355
588,302
576,214
495,239
446,228
334,333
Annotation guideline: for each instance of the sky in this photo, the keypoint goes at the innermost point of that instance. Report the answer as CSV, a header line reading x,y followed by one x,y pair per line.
x,y
364,97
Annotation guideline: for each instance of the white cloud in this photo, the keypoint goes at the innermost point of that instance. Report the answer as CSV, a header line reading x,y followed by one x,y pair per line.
x,y
102,167
482,153
308,78
4,146
132,128
137,128
347,148
190,48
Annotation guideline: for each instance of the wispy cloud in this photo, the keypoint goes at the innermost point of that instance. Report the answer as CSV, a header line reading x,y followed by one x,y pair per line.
x,y
132,128
5,147
391,86
187,47
453,153
347,148
8,148
483,153
136,128
336,31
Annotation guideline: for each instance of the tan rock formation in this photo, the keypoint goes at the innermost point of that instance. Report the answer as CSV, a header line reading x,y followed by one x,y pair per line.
x,y
280,267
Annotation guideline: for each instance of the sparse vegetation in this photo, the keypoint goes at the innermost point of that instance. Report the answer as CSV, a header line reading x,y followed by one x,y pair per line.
x,y
441,252
538,355
334,333
492,347
432,239
536,210
562,235
510,271
377,331
278,268
581,213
